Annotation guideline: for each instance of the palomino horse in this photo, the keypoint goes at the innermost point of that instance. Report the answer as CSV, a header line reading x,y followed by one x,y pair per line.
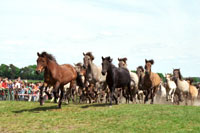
x,y
54,74
151,81
171,87
182,85
115,78
134,77
193,91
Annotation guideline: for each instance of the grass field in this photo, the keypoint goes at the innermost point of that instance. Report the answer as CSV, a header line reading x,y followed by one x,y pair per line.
x,y
30,117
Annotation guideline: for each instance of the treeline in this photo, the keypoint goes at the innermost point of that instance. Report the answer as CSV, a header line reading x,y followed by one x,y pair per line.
x,y
13,72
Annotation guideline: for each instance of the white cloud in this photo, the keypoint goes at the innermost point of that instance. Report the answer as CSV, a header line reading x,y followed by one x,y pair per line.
x,y
166,31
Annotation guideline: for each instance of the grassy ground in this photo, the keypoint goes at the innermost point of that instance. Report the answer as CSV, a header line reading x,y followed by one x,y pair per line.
x,y
30,117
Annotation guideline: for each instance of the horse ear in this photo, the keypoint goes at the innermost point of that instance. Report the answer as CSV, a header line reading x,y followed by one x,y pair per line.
x,y
110,60
102,58
118,59
152,62
83,53
125,59
38,54
145,60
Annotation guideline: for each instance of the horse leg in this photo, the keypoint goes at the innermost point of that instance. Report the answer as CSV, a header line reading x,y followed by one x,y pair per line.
x,y
146,96
41,95
49,96
61,97
56,91
111,94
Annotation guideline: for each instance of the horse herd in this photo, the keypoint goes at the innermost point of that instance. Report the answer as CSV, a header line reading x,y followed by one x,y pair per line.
x,y
86,82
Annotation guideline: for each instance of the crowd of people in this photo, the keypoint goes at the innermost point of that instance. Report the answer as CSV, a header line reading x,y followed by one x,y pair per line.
x,y
19,90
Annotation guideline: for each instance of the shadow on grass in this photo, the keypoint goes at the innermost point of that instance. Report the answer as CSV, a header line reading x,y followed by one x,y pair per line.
x,y
97,105
36,110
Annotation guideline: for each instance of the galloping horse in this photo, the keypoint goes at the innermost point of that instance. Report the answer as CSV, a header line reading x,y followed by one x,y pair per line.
x,y
140,73
182,85
134,77
115,78
54,74
171,87
193,91
151,81
93,73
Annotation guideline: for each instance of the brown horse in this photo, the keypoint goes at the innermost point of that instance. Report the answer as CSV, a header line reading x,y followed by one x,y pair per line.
x,y
151,81
54,74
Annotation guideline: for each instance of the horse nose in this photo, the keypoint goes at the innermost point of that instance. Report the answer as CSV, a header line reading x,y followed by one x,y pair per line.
x,y
37,71
103,73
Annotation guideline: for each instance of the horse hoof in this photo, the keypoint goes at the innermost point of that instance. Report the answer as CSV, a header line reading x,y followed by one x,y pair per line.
x,y
41,103
110,106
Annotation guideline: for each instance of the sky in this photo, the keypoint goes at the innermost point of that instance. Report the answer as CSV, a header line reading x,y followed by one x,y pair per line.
x,y
166,31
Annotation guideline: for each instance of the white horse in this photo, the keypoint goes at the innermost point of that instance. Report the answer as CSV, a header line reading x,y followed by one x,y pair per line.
x,y
161,93
182,85
171,87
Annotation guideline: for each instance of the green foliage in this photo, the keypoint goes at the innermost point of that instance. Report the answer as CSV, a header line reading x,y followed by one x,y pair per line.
x,y
162,77
13,72
31,117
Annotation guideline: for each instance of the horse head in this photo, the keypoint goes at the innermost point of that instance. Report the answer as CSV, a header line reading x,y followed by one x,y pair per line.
x,y
140,71
88,58
41,62
105,64
78,67
177,74
122,62
148,64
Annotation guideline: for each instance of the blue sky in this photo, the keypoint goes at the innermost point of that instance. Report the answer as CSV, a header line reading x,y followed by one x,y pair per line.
x,y
166,31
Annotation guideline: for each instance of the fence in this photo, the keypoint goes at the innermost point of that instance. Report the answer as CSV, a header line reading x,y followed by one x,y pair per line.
x,y
6,94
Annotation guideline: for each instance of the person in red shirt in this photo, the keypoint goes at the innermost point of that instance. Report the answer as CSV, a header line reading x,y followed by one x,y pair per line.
x,y
4,84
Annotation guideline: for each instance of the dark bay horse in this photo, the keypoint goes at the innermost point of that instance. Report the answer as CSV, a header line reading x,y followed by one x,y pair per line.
x,y
54,74
151,81
116,77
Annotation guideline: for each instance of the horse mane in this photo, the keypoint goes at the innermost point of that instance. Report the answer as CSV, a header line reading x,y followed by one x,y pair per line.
x,y
79,64
90,55
108,59
190,80
49,56
140,67
122,59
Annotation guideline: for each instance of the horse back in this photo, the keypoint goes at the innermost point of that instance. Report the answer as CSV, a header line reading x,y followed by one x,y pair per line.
x,y
67,72
155,79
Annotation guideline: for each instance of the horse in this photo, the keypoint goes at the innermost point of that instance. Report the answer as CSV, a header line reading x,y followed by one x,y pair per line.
x,y
115,78
151,81
134,77
182,85
193,91
140,73
171,87
54,74
80,81
93,74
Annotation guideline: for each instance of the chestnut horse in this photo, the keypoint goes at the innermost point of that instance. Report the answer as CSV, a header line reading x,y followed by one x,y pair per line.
x,y
151,81
54,74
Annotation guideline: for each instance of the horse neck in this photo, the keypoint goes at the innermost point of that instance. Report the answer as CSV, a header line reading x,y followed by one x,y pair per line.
x,y
51,67
110,69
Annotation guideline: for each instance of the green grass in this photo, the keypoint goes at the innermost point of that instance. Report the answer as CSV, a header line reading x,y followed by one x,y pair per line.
x,y
30,117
